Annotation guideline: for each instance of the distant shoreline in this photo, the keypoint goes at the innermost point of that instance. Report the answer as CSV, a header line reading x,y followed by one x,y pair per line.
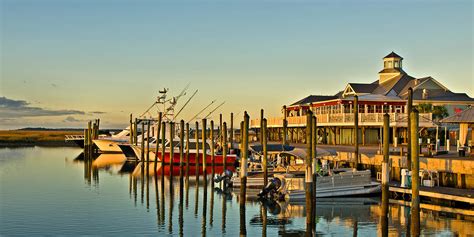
x,y
30,138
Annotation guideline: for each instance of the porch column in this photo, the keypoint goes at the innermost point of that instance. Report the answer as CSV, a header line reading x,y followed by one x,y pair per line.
x,y
363,136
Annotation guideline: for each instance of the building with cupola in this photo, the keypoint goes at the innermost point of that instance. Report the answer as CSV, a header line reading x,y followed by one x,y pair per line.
x,y
387,94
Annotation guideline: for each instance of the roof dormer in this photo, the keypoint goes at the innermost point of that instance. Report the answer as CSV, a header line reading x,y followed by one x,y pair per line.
x,y
392,67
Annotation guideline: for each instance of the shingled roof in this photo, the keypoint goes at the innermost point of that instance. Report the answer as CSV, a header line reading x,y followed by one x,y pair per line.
x,y
315,98
466,116
362,87
393,55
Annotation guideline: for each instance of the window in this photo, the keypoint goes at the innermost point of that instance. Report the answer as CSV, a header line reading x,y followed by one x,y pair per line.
x,y
389,64
396,64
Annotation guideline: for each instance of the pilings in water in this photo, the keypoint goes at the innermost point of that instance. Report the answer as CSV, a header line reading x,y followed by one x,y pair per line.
x,y
91,133
131,129
356,131
264,151
243,160
385,174
415,168
181,149
135,132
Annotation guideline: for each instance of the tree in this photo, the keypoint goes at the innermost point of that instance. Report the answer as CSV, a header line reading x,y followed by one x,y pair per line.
x,y
439,112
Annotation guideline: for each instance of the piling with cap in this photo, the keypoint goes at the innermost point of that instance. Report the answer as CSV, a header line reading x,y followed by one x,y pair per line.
x,y
231,135
163,148
224,146
415,168
181,147
211,135
171,153
196,137
264,153
204,153
308,169
158,128
135,132
243,163
356,130
385,163
285,127
409,110
148,142
142,154
187,150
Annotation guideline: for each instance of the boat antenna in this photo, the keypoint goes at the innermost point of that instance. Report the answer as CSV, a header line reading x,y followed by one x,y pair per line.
x,y
212,102
185,104
212,111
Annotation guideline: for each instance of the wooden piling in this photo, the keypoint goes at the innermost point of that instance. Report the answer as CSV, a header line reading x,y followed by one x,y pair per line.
x,y
148,142
415,168
131,129
224,146
314,142
211,135
409,109
220,129
356,131
135,132
285,127
187,150
142,144
158,128
163,148
265,153
308,169
231,135
181,148
243,160
196,136
385,163
261,127
171,148
204,153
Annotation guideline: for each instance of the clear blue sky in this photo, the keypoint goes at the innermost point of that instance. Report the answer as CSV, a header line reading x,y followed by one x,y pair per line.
x,y
65,60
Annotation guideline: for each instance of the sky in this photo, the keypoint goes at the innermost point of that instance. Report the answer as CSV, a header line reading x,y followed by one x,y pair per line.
x,y
64,62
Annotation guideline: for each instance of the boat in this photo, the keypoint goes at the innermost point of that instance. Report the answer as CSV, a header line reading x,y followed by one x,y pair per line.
x,y
287,179
134,152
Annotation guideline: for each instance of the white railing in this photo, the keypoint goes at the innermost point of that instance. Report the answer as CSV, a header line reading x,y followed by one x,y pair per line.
x,y
347,119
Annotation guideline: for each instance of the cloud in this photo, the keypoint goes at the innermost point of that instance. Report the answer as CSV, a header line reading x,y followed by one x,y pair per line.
x,y
71,119
97,112
19,108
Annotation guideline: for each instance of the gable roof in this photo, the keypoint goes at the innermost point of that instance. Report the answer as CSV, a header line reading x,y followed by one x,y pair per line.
x,y
362,87
393,55
315,98
466,116
440,95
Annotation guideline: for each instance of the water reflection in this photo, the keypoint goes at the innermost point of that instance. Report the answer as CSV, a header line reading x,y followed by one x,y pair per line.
x,y
214,212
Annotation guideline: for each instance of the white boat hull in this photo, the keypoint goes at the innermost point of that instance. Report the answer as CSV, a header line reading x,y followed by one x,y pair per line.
x,y
107,145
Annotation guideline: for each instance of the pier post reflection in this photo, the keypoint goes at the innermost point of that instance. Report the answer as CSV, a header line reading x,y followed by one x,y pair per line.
x,y
180,210
171,204
204,205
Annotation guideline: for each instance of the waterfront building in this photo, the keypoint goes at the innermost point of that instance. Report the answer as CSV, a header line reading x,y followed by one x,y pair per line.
x,y
387,94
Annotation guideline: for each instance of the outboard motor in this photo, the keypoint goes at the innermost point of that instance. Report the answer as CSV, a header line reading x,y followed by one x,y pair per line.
x,y
226,177
271,188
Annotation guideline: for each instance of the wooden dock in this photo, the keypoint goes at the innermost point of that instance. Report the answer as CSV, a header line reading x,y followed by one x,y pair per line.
x,y
445,193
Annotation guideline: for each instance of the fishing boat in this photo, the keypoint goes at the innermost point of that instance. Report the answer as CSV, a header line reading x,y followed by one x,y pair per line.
x,y
134,152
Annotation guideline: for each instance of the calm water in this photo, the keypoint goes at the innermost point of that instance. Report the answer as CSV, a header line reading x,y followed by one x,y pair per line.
x,y
52,191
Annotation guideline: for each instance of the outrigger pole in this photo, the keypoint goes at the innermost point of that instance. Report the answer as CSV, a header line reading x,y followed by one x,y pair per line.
x,y
212,102
185,104
212,111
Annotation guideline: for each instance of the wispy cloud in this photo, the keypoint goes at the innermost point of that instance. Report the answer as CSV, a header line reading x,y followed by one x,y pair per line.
x,y
70,119
10,108
97,112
